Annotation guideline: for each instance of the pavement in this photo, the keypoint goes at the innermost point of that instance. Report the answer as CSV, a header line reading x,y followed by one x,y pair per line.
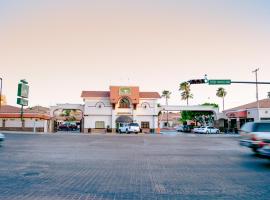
x,y
167,166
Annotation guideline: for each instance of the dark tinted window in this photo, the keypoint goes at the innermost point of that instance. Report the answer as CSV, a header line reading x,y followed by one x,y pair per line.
x,y
262,127
134,124
247,127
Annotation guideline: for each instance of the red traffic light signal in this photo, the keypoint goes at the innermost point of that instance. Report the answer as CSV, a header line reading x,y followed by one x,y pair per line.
x,y
197,81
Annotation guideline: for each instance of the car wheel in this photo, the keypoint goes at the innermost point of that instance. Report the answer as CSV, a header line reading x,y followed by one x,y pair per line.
x,y
127,131
218,132
207,132
255,150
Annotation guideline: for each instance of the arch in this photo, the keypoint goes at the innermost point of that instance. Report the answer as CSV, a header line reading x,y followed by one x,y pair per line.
x,y
123,119
145,105
99,104
124,102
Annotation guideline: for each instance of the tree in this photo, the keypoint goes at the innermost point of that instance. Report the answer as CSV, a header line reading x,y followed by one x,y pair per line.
x,y
166,94
186,93
221,92
3,100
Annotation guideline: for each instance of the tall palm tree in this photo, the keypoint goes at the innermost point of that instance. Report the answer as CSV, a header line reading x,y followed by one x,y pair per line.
x,y
186,92
166,94
221,92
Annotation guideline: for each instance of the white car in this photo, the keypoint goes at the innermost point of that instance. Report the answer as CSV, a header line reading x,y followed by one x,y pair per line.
x,y
197,129
2,137
129,128
208,129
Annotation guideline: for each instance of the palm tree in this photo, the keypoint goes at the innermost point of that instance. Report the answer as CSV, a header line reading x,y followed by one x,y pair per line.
x,y
186,93
166,94
221,92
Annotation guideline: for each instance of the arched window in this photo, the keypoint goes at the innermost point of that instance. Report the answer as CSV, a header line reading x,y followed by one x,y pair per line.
x,y
124,103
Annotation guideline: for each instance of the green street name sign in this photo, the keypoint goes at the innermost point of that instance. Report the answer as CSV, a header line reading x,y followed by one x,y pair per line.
x,y
23,90
22,102
220,82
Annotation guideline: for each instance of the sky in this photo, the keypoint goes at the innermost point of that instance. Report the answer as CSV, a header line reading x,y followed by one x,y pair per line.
x,y
62,47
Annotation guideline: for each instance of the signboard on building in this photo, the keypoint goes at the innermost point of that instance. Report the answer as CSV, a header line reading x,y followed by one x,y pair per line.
x,y
125,91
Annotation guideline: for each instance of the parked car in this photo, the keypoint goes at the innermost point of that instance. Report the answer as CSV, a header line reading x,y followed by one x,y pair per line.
x,y
129,128
184,128
209,129
68,126
255,135
2,137
264,150
196,129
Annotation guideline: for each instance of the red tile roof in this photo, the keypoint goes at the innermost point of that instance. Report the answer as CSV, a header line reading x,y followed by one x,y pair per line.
x,y
8,111
264,103
107,94
154,95
95,94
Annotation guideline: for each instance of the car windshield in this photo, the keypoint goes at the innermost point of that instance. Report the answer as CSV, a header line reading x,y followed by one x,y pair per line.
x,y
133,124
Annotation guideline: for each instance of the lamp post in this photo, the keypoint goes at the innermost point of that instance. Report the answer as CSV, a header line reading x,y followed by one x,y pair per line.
x,y
257,92
1,92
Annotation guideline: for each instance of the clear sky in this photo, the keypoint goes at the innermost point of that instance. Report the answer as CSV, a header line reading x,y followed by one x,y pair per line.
x,y
65,46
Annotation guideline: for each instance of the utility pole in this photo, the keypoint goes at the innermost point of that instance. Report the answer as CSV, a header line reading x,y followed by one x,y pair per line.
x,y
257,92
1,92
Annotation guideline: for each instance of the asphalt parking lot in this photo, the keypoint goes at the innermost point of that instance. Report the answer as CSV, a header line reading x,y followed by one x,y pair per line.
x,y
172,166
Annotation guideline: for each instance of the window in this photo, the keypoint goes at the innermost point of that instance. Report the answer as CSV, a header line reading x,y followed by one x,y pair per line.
x,y
145,125
124,103
100,124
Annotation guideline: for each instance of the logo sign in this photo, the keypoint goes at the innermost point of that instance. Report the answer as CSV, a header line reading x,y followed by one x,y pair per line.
x,y
23,90
125,91
22,102
220,82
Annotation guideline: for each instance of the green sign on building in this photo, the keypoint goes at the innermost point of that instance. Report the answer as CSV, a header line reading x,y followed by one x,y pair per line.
x,y
219,82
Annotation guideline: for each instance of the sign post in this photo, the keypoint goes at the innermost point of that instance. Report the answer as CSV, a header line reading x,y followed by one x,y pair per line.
x,y
23,92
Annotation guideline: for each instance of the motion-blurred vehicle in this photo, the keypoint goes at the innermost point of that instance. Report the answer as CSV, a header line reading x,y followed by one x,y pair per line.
x,y
2,137
255,135
129,128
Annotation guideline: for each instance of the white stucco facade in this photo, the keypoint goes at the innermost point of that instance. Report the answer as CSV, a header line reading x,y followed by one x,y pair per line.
x,y
101,111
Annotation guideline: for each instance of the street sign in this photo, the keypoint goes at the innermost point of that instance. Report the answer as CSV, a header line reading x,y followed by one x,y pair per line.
x,y
22,102
220,82
23,90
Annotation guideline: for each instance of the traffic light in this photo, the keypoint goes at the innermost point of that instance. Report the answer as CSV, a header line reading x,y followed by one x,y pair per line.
x,y
197,81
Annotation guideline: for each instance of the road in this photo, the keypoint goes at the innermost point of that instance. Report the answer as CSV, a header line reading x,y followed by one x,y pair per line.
x,y
186,166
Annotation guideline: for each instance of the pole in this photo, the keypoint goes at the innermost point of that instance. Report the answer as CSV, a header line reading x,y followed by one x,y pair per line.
x,y
22,113
1,92
257,92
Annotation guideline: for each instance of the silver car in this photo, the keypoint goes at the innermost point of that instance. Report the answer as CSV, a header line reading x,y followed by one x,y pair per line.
x,y
254,134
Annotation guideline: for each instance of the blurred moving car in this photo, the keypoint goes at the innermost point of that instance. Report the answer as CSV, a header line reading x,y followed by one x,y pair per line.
x,y
255,135
129,128
2,137
196,129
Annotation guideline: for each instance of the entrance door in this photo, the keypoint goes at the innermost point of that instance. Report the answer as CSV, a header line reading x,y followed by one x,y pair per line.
x,y
122,120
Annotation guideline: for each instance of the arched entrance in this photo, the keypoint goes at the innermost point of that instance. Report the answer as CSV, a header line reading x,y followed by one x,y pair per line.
x,y
121,120
67,117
